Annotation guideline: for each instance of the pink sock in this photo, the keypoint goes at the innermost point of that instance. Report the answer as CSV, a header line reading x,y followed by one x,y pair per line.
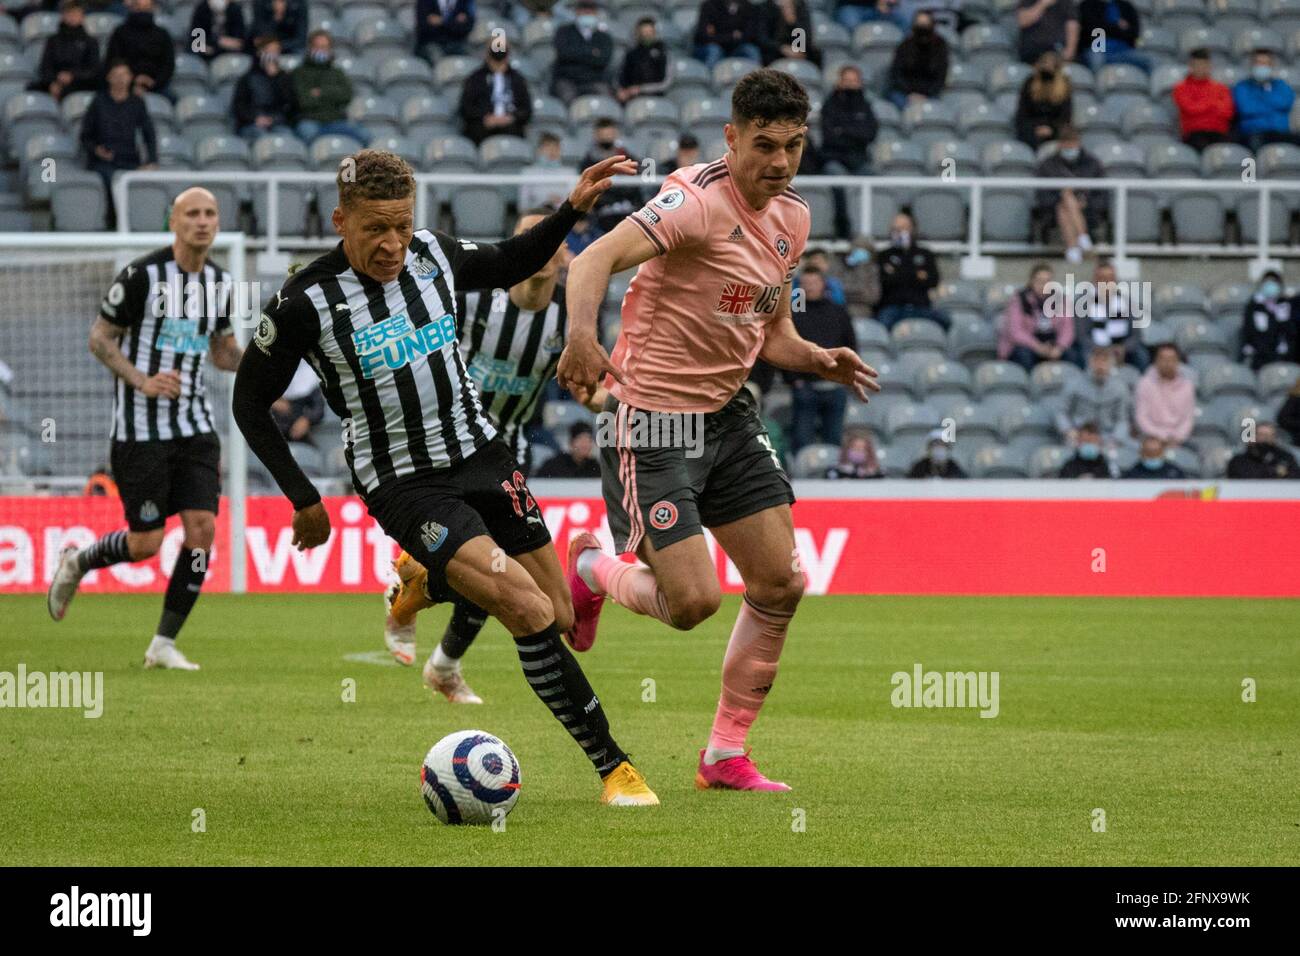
x,y
748,670
633,586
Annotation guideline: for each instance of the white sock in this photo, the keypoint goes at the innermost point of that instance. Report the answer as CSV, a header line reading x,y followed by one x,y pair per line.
x,y
713,754
587,568
159,642
441,662
1085,242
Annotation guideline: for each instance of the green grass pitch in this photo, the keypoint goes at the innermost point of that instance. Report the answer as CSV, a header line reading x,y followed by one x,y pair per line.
x,y
1131,706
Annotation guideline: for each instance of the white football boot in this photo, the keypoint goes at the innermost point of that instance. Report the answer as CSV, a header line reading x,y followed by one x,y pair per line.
x,y
164,654
450,684
67,576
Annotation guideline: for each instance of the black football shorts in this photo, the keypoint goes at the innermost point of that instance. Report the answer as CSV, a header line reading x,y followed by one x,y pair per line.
x,y
157,479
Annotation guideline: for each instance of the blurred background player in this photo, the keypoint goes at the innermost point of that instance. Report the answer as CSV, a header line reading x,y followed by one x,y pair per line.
x,y
511,341
376,315
165,452
717,249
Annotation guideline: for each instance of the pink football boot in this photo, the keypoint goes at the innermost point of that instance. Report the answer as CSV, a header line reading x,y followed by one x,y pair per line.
x,y
586,602
734,773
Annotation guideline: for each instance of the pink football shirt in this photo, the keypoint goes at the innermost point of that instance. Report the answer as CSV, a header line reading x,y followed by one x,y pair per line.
x,y
694,316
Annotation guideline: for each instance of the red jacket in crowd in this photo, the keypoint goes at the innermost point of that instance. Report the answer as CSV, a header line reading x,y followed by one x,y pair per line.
x,y
1204,106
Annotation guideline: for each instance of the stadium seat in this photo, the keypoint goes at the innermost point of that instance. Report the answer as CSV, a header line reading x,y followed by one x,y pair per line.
x,y
1228,302
1198,337
972,340
380,36
995,461
1049,378
1246,35
977,423
1214,460
803,71
190,78
960,298
875,43
27,115
982,125
450,72
426,116
479,211
584,111
930,121
276,152
813,460
80,202
1218,42
704,117
996,376
38,177
38,26
1187,460
1032,419
943,378
201,117
403,77
1282,16
911,419
327,151
652,116
1177,300
688,80
1047,461
1008,76
363,71
986,44
1275,380
1227,378
1164,78
377,115
730,70
1180,14
912,334
967,77
871,334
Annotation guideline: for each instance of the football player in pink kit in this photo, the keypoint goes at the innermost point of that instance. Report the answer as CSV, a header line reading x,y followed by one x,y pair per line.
x,y
717,249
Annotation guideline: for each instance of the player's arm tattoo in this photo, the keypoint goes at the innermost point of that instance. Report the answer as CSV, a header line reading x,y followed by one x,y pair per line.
x,y
226,352
106,345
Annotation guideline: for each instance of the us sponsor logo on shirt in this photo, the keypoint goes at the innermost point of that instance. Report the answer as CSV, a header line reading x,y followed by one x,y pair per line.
x,y
395,342
741,303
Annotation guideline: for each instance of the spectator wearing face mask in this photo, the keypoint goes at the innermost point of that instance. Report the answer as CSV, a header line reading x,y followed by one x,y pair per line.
x,y
1117,24
323,92
1046,103
857,274
857,458
145,47
1263,105
618,202
1100,396
1268,324
584,53
263,101
727,28
1152,462
443,27
908,271
1164,403
1263,458
818,404
937,463
645,65
1078,212
223,26
919,70
849,127
1047,25
286,20
494,99
1027,333
1088,460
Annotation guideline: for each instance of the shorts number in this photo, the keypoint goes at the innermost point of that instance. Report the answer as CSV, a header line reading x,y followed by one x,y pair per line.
x,y
529,504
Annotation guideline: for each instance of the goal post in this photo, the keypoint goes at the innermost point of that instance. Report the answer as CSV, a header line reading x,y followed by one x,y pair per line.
x,y
55,398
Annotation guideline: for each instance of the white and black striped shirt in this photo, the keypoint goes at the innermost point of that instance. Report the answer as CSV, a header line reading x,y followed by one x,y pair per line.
x,y
386,355
510,353
169,316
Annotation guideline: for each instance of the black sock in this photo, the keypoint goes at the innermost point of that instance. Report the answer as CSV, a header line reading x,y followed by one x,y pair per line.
x,y
467,619
110,549
558,681
183,590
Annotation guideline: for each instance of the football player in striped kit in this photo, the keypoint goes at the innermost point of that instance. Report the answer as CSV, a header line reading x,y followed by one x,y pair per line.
x,y
376,318
163,313
511,340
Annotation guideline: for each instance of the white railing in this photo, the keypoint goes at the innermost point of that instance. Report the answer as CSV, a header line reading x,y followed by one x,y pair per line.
x,y
975,263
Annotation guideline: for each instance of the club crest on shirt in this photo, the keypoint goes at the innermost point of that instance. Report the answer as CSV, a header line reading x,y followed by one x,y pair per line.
x,y
670,200
782,245
432,535
554,343
423,268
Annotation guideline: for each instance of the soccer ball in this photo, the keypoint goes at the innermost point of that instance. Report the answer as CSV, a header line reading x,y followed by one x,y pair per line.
x,y
470,777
